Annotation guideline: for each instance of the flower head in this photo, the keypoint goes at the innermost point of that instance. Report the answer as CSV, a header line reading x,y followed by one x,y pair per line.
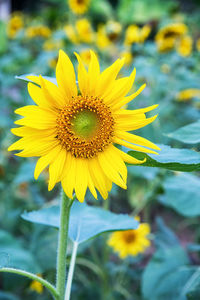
x,y
168,35
37,286
184,46
38,31
79,6
15,24
75,132
188,94
130,242
84,30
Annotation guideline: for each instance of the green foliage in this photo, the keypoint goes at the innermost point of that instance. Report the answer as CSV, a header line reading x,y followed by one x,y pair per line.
x,y
188,134
171,158
182,193
13,254
85,221
168,275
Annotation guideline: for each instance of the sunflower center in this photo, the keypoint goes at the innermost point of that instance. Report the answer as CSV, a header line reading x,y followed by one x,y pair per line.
x,y
85,126
85,123
129,236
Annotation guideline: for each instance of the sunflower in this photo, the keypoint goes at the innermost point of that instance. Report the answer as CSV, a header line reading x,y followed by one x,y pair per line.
x,y
130,242
184,46
15,24
188,94
75,132
168,35
79,6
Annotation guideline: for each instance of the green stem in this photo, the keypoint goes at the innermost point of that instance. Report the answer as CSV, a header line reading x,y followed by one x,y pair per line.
x,y
32,276
71,272
66,204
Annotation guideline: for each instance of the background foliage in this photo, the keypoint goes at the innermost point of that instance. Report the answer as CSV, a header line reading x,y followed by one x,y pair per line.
x,y
165,191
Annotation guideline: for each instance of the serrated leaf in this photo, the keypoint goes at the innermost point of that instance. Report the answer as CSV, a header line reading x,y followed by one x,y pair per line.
x,y
171,158
182,193
189,134
85,221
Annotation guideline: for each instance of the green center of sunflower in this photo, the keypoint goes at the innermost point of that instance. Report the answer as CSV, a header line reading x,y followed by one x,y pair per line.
x,y
85,124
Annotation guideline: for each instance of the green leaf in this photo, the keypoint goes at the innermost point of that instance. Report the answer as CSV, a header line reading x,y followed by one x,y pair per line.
x,y
189,134
171,158
168,276
85,221
24,77
12,254
182,193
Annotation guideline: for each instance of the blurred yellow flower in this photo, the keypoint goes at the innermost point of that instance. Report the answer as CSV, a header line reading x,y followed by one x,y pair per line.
x,y
130,242
71,33
15,24
36,286
188,94
165,68
184,45
79,6
75,132
198,44
50,45
168,35
135,34
38,31
102,40
128,57
84,30
113,30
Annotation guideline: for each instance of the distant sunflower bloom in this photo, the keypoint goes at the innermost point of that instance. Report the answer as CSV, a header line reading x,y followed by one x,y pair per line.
x,y
188,94
168,35
75,132
36,286
184,46
130,242
79,6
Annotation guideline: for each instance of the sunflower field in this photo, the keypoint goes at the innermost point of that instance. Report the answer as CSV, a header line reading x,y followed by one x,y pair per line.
x,y
99,157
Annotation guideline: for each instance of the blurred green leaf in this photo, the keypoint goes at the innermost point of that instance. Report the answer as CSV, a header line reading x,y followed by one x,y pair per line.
x,y
12,254
85,221
25,173
189,134
182,193
170,158
168,275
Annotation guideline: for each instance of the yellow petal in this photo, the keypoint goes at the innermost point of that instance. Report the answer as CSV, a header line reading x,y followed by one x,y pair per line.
x,y
108,77
133,113
82,76
38,97
65,76
111,173
116,161
126,100
91,186
45,160
81,179
28,131
121,89
56,168
129,124
98,177
52,93
133,147
37,149
68,182
93,73
129,159
135,139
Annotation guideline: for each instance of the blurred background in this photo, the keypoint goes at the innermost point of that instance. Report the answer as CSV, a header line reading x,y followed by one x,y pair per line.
x,y
162,40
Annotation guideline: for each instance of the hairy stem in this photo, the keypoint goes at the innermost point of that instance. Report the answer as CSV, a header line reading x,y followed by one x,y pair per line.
x,y
66,204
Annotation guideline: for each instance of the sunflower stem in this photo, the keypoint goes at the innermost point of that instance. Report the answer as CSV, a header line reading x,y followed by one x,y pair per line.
x,y
71,272
66,204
